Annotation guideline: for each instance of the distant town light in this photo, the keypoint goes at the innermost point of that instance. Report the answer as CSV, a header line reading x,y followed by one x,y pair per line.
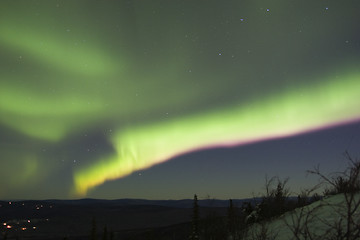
x,y
23,228
8,226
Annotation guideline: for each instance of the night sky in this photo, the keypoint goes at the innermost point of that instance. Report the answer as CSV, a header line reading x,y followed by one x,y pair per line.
x,y
162,99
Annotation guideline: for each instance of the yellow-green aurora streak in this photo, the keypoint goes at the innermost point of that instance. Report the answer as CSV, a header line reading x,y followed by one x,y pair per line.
x,y
300,109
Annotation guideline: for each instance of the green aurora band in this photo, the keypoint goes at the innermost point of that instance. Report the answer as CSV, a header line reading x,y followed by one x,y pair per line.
x,y
295,111
227,74
51,108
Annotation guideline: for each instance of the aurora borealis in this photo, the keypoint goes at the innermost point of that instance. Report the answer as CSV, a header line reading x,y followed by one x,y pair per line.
x,y
100,99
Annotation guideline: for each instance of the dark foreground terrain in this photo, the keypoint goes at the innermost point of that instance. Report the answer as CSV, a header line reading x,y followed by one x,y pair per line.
x,y
123,219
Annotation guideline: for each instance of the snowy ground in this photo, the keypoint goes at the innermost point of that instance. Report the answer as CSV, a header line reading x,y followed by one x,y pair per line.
x,y
321,220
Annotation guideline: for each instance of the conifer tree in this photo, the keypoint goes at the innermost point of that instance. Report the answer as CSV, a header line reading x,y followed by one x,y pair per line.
x,y
231,219
105,235
195,220
93,230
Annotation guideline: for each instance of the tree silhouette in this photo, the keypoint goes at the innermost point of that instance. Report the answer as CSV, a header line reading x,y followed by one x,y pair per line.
x,y
93,230
105,234
231,219
346,183
195,220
